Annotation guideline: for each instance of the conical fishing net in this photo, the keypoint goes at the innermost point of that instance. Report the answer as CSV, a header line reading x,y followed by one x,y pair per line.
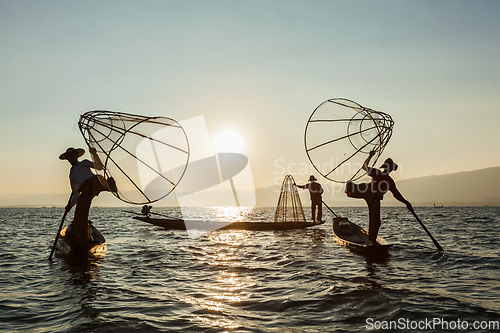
x,y
146,156
289,208
339,136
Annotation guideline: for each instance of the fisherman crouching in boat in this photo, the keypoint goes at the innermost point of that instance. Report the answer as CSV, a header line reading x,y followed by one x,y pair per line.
x,y
315,191
85,185
374,191
146,210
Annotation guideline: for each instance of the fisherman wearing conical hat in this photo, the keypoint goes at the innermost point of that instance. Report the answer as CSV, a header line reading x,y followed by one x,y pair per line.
x,y
85,185
374,191
315,191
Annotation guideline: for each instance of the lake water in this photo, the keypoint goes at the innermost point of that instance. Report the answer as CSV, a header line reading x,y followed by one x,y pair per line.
x,y
155,280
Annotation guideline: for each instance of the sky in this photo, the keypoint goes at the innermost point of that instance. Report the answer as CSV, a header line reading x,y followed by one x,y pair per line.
x,y
254,68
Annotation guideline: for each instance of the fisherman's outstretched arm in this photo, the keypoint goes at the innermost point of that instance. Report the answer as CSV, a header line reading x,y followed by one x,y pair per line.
x,y
97,161
400,198
367,161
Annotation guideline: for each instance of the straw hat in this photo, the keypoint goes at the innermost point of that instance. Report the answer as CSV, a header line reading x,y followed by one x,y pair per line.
x,y
70,150
389,164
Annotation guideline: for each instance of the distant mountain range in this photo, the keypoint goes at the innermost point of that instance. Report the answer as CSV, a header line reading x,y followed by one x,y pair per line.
x,y
479,187
470,188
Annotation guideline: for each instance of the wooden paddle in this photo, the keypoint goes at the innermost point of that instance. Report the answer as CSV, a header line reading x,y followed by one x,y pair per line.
x,y
60,226
329,209
428,233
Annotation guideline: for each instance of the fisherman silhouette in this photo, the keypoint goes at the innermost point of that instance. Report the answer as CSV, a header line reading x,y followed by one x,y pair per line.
x,y
85,185
374,191
146,210
315,191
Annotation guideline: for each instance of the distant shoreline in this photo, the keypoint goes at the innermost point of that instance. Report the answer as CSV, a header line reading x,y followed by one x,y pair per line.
x,y
305,206
461,189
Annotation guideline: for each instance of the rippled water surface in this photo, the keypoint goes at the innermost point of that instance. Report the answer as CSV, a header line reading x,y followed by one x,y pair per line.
x,y
249,281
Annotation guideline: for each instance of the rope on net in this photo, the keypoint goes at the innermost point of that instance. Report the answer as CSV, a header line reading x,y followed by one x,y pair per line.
x,y
146,156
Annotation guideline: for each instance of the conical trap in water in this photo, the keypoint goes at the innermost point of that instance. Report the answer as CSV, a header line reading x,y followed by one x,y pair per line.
x,y
289,207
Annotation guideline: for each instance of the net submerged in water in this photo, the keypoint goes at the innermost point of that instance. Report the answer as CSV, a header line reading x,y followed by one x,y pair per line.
x,y
289,208
146,156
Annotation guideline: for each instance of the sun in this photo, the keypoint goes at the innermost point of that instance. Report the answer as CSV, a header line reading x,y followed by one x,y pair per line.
x,y
228,141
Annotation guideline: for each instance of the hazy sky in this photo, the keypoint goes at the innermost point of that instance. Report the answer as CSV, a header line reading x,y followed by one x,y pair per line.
x,y
258,68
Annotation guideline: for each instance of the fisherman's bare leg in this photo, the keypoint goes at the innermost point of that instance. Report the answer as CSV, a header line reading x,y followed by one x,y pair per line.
x,y
320,210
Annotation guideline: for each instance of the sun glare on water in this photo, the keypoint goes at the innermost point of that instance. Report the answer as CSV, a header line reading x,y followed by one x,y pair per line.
x,y
228,141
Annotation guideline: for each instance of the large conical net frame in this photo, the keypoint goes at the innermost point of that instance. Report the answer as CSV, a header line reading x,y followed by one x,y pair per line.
x,y
340,134
289,208
146,156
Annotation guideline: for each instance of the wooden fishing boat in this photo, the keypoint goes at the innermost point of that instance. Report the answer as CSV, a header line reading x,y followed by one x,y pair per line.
x,y
289,215
355,238
67,244
180,224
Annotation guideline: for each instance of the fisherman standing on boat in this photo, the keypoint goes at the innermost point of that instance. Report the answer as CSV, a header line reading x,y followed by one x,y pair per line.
x,y
374,191
315,191
85,186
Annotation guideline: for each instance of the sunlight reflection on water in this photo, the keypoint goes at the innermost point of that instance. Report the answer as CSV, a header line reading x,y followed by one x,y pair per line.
x,y
299,280
230,214
222,288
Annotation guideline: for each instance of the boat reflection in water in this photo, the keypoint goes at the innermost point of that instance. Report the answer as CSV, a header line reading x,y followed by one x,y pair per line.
x,y
81,275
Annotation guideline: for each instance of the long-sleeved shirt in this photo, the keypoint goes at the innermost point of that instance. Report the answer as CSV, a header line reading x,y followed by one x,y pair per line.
x,y
381,183
78,174
315,190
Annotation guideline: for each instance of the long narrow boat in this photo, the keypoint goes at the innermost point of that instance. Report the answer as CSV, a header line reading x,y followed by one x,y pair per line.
x,y
67,245
355,238
180,224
